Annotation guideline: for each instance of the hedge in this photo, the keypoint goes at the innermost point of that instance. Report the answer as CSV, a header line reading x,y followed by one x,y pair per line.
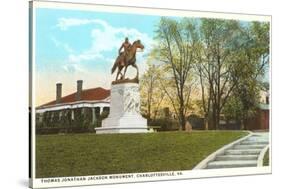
x,y
61,121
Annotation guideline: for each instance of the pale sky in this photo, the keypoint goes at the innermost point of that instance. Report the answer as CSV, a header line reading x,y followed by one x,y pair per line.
x,y
73,45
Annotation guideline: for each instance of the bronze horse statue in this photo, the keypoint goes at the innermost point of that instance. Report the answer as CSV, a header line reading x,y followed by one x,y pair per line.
x,y
130,58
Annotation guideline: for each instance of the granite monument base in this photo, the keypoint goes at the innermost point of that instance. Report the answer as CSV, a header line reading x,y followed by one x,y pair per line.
x,y
124,115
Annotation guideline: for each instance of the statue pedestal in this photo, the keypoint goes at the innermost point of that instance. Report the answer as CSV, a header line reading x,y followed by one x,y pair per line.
x,y
124,116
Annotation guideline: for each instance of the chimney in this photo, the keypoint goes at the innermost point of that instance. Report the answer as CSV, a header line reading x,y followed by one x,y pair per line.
x,y
79,89
58,98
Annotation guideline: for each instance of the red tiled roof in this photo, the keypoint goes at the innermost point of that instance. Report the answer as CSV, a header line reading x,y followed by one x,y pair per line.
x,y
87,94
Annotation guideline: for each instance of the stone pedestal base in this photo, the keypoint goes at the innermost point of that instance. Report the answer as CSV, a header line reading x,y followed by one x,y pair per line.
x,y
124,116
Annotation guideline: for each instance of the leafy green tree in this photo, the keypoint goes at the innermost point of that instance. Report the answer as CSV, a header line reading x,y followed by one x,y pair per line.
x,y
253,59
232,58
176,45
226,59
215,65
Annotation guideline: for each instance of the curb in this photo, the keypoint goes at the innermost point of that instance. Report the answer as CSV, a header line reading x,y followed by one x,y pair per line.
x,y
203,164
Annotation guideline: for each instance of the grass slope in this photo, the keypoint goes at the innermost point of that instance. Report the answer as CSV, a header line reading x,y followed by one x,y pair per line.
x,y
266,158
91,154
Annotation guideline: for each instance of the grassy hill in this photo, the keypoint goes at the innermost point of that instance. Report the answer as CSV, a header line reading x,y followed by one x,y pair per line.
x,y
91,154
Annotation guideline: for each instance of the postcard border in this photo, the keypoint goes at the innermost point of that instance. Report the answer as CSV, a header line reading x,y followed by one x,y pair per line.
x,y
189,174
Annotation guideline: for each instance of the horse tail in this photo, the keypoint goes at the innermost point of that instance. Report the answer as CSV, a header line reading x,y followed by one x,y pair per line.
x,y
114,67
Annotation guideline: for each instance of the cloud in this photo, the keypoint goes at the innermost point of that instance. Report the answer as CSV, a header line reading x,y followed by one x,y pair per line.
x,y
109,38
72,68
65,23
106,39
85,56
105,42
59,44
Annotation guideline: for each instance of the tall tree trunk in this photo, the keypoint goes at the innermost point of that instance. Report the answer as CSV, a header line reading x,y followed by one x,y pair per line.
x,y
242,126
206,122
182,118
218,119
182,112
149,112
214,114
243,123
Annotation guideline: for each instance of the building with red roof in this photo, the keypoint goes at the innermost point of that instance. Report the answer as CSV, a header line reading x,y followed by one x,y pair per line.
x,y
73,110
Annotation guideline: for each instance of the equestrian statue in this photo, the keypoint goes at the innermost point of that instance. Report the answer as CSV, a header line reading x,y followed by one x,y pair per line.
x,y
126,58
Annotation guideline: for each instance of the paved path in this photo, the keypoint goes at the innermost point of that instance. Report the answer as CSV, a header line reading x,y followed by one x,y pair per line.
x,y
243,154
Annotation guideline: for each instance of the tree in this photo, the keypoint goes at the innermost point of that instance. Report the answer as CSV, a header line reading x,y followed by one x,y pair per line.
x,y
215,65
177,41
151,91
253,58
230,58
227,59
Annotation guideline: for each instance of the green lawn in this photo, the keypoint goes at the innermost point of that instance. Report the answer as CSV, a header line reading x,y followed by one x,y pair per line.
x,y
91,154
266,158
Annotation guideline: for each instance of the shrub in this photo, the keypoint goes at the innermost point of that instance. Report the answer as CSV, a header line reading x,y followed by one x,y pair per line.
x,y
196,121
165,124
61,121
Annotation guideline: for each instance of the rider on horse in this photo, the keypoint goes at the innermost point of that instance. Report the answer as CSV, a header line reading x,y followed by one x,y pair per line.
x,y
126,45
126,58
